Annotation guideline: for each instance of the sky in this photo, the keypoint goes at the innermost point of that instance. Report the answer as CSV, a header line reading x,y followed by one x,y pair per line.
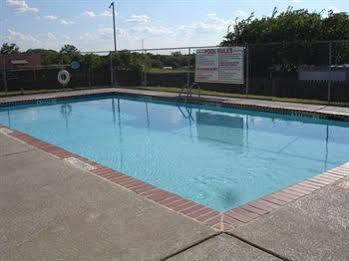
x,y
87,24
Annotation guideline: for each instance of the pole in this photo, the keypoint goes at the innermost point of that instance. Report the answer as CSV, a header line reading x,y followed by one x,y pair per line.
x,y
115,48
4,74
111,70
113,8
188,73
145,69
247,71
144,83
329,71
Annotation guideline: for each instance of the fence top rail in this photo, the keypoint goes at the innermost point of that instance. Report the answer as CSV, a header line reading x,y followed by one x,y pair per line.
x,y
154,49
299,42
218,46
162,49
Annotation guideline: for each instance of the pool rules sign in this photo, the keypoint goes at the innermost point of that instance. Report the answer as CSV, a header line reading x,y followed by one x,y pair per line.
x,y
220,65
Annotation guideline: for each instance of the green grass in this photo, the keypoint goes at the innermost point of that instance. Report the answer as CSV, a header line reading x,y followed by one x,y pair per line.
x,y
15,93
257,97
162,71
41,91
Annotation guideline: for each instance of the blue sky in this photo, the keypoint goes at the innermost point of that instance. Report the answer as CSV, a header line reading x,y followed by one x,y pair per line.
x,y
160,23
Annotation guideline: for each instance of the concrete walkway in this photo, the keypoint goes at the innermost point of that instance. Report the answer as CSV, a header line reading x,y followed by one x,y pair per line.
x,y
52,211
315,227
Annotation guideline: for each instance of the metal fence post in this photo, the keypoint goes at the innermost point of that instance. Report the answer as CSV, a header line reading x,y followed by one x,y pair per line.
x,y
4,74
89,76
329,71
247,70
145,69
115,74
188,73
111,70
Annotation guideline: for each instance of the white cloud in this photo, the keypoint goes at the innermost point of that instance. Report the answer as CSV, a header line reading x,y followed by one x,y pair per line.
x,y
66,22
21,6
108,32
90,14
22,37
51,36
213,24
50,17
105,31
334,9
61,20
106,13
241,14
139,18
88,37
153,30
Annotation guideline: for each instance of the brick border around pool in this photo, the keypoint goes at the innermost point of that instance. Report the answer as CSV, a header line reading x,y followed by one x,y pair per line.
x,y
220,221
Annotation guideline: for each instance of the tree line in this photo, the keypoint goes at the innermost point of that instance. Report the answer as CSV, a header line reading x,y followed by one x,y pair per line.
x,y
122,60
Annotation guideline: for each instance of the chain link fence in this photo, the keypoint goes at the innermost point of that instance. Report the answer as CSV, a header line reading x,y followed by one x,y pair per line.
x,y
317,70
307,70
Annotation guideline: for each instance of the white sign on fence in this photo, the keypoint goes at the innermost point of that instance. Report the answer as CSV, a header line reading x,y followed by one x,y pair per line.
x,y
220,65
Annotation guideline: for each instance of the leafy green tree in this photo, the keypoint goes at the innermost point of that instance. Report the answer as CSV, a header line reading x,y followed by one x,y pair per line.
x,y
296,31
125,60
48,57
92,61
9,48
69,49
290,25
69,53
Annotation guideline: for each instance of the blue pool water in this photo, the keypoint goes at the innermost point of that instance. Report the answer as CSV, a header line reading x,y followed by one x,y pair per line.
x,y
219,157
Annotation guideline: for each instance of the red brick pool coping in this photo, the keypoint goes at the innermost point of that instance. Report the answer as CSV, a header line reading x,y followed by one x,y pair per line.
x,y
220,221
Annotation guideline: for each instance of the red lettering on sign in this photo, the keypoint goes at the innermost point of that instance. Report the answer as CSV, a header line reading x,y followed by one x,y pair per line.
x,y
225,50
210,51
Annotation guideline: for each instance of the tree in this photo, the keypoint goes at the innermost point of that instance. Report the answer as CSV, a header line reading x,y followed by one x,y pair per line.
x,y
69,49
69,53
290,25
296,31
48,57
92,61
9,48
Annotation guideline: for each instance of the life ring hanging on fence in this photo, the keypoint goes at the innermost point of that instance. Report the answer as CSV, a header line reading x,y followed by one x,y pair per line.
x,y
63,77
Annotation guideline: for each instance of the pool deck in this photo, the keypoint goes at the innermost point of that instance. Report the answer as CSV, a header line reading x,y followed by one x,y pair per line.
x,y
57,209
328,111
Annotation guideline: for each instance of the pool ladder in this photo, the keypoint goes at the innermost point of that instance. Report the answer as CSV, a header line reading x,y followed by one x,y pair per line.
x,y
187,91
189,115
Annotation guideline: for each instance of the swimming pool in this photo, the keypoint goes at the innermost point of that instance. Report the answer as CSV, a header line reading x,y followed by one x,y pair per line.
x,y
219,157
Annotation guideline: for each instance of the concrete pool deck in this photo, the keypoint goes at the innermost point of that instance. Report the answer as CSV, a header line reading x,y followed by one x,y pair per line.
x,y
49,212
53,211
335,112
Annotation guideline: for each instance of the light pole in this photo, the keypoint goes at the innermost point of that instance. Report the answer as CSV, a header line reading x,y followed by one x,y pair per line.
x,y
113,82
112,5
